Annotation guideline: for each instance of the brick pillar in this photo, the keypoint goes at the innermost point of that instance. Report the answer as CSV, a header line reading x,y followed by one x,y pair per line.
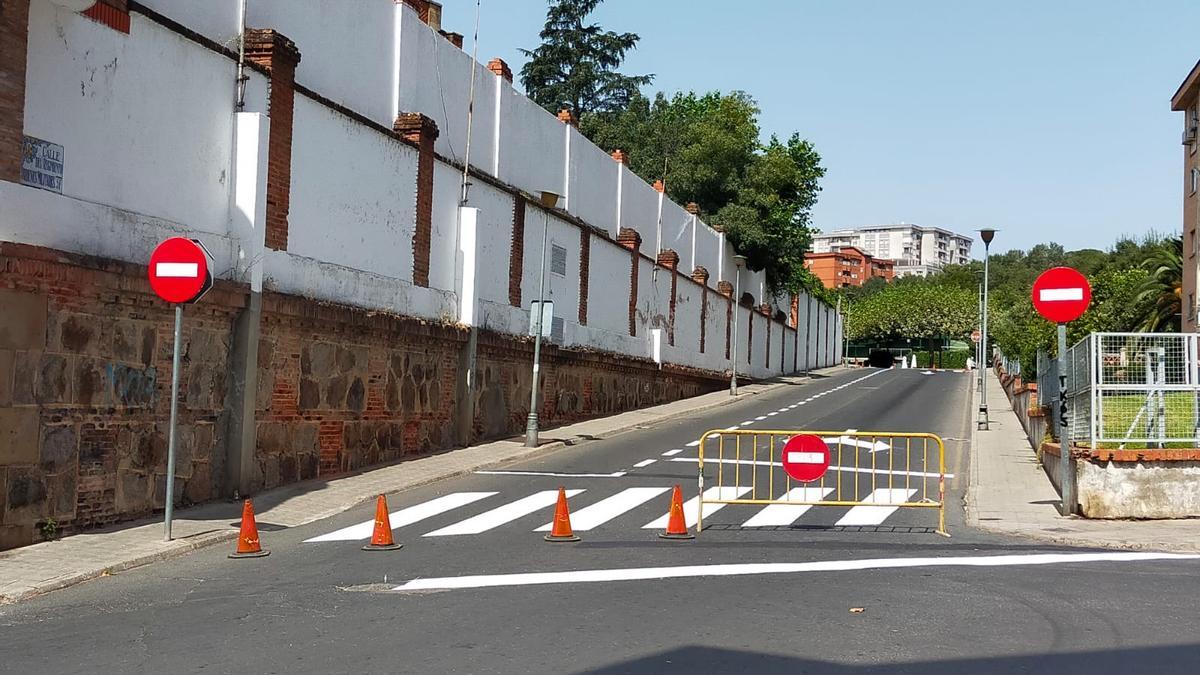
x,y
692,208
585,258
631,240
566,116
796,335
422,132
501,69
670,260
726,289
620,157
658,186
14,44
279,56
700,276
421,7
111,13
516,255
765,310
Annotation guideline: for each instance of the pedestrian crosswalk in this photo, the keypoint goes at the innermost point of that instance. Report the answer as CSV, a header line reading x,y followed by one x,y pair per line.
x,y
624,508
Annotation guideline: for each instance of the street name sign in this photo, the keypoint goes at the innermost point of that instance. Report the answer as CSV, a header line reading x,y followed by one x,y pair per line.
x,y
1061,294
179,270
805,457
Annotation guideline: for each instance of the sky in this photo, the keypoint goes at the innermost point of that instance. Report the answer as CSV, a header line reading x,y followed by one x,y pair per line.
x,y
1048,121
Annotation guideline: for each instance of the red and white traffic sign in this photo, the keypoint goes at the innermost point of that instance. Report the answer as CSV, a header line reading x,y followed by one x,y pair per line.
x,y
1061,294
805,458
976,336
179,270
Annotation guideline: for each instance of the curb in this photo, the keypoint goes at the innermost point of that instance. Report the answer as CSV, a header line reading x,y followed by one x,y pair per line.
x,y
210,539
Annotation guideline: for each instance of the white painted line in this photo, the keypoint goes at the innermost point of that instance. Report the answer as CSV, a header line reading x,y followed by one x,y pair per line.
x,y
690,510
177,270
672,453
744,424
875,515
832,467
806,457
606,509
693,444
615,474
407,516
851,431
772,414
777,515
644,462
876,446
760,418
1060,294
784,409
742,569
502,514
793,406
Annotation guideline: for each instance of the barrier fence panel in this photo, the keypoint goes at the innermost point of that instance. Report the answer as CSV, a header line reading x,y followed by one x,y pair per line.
x,y
865,468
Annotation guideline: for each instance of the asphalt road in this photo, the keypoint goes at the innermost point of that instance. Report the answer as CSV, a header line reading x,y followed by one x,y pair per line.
x,y
828,589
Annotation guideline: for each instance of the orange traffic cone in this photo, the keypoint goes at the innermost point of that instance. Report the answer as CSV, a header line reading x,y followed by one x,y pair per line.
x,y
676,524
248,545
561,530
381,538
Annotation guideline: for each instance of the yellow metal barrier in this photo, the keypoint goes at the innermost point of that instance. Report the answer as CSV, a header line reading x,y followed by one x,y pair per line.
x,y
904,477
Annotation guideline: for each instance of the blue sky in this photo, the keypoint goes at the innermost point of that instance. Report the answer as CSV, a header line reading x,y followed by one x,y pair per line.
x,y
1049,121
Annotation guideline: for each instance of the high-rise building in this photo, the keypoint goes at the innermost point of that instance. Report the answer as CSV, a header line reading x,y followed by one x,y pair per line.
x,y
847,266
1187,101
915,249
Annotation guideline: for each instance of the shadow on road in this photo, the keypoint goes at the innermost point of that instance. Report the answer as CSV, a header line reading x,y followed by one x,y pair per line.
x,y
698,659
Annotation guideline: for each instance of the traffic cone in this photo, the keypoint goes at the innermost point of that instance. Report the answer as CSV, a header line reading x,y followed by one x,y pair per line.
x,y
676,523
248,545
381,538
561,529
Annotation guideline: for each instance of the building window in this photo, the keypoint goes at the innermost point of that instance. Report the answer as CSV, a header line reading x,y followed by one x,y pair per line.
x,y
558,260
1195,181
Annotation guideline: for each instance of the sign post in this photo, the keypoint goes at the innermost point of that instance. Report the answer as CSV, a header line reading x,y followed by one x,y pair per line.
x,y
1061,295
179,273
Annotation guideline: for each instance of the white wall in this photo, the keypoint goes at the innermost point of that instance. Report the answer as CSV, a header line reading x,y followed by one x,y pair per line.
x,y
688,296
217,20
494,240
353,195
133,138
639,209
593,184
608,287
532,145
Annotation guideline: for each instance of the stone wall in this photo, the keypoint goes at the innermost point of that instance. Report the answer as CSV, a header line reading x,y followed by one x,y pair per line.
x,y
85,372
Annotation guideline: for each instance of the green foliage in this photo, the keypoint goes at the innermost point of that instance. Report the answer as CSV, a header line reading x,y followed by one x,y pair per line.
x,y
913,308
954,359
1162,290
576,65
706,149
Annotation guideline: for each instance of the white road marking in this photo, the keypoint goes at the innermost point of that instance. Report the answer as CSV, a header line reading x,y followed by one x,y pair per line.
x,y
875,515
772,414
876,446
615,474
406,516
747,423
832,467
690,510
177,270
502,514
786,514
693,444
672,453
760,418
741,569
784,409
644,462
606,509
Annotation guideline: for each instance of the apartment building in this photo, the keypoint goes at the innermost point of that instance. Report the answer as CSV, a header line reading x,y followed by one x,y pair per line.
x,y
915,249
1187,101
848,266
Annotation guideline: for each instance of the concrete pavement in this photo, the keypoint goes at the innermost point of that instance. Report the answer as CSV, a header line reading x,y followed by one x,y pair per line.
x,y
54,565
1009,493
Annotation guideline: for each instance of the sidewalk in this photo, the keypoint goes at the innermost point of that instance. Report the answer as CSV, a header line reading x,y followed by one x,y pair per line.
x,y
1009,493
49,566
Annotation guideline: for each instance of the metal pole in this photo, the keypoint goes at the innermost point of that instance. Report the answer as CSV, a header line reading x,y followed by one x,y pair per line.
x,y
531,424
1066,478
170,503
737,291
979,345
983,348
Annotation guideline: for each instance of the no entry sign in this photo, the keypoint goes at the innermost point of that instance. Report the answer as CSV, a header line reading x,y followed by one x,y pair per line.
x,y
179,270
805,458
1061,294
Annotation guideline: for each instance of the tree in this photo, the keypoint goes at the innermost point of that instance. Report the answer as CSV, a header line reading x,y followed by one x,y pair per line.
x,y
922,309
1162,291
706,149
576,64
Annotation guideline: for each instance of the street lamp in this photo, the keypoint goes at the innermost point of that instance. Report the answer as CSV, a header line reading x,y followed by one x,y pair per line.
x,y
739,261
548,200
986,235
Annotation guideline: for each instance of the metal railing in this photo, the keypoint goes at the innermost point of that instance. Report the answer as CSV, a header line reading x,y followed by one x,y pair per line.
x,y
876,468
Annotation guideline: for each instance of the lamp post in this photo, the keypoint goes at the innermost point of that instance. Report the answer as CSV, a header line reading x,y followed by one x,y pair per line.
x,y
548,200
986,235
739,261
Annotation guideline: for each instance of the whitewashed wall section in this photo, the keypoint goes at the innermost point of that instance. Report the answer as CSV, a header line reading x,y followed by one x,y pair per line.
x,y
639,208
608,287
592,186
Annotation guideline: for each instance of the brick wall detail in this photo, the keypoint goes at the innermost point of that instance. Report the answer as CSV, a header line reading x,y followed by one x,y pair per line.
x,y
585,263
14,43
421,131
670,261
631,240
700,276
726,289
516,256
279,55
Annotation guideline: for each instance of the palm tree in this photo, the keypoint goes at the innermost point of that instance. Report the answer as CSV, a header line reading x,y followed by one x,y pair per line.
x,y
1162,292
